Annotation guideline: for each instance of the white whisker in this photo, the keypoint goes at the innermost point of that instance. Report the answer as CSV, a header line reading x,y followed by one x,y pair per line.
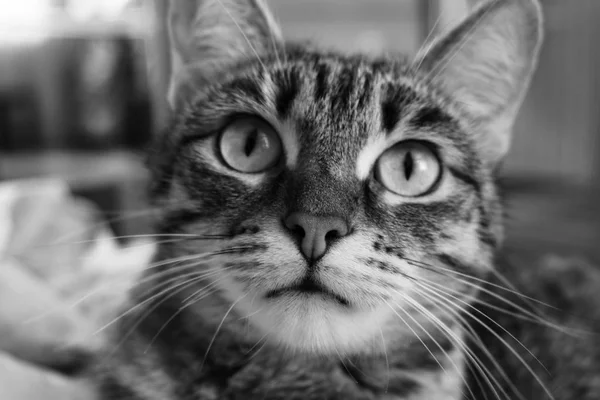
x,y
415,333
445,329
243,34
387,361
455,312
219,328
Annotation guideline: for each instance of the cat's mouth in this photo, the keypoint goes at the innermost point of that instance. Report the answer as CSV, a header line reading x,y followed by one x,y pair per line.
x,y
309,287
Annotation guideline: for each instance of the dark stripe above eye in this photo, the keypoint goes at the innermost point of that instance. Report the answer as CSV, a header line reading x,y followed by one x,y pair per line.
x,y
288,87
341,99
250,88
390,115
393,100
430,116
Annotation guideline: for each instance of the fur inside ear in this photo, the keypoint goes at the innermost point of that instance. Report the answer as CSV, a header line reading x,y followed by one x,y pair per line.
x,y
206,35
486,64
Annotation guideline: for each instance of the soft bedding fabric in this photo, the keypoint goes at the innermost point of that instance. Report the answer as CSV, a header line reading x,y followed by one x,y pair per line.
x,y
62,276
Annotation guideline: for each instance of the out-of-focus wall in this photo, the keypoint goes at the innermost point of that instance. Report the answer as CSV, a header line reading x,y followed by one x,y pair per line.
x,y
354,25
556,134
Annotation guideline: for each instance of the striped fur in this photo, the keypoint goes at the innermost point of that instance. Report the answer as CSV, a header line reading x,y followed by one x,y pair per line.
x,y
335,115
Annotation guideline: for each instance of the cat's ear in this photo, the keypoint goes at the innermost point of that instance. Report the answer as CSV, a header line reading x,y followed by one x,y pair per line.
x,y
206,35
486,63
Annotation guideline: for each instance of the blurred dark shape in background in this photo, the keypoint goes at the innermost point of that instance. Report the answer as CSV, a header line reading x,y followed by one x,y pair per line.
x,y
73,77
82,87
76,98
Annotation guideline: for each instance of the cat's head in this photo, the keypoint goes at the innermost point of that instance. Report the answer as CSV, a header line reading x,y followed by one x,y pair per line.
x,y
349,197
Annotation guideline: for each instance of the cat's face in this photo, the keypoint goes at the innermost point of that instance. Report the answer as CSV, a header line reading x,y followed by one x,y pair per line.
x,y
347,193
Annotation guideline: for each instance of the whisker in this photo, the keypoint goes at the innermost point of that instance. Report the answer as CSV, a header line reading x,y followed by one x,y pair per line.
x,y
199,294
262,346
444,328
243,34
526,314
439,290
171,270
467,351
218,329
247,316
192,281
208,289
103,287
446,303
274,43
427,44
509,284
510,348
106,222
141,304
121,216
387,361
515,292
344,364
138,282
197,274
179,288
257,343
415,333
504,300
182,236
491,320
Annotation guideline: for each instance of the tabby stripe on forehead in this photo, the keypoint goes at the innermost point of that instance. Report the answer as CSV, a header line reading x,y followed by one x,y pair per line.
x,y
287,91
321,81
367,88
251,88
340,100
429,117
393,100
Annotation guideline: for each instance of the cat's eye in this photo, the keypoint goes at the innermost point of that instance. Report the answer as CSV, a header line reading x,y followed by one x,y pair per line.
x,y
250,145
410,169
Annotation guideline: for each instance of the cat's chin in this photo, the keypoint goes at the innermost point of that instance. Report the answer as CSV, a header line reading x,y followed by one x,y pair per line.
x,y
317,323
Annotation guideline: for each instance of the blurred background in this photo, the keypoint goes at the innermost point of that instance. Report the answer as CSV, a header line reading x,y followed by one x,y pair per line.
x,y
82,87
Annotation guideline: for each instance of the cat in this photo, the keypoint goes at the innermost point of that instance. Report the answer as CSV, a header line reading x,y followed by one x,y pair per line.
x,y
321,213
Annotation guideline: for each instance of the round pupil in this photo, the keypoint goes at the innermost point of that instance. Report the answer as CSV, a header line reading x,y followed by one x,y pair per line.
x,y
409,165
251,142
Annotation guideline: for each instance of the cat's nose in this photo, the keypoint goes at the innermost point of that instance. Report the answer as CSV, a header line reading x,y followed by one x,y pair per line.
x,y
315,233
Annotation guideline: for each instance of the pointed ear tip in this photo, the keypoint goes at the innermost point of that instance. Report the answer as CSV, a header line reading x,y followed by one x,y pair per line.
x,y
535,18
530,11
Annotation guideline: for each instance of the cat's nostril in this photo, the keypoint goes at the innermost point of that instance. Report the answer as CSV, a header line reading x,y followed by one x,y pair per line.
x,y
316,233
333,235
298,230
294,224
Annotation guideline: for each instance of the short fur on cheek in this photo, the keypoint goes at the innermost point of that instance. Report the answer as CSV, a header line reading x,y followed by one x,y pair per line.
x,y
414,245
236,284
